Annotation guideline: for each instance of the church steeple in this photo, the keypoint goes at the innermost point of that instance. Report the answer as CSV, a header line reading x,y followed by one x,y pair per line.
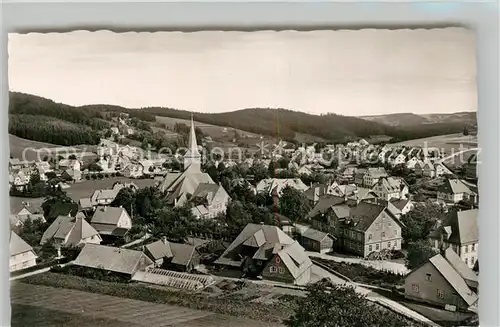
x,y
192,156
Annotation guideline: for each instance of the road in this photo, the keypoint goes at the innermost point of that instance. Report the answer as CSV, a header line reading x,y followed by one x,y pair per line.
x,y
36,272
36,305
397,268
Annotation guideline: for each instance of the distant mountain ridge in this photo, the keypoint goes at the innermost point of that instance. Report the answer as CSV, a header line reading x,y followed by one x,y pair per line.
x,y
278,123
411,119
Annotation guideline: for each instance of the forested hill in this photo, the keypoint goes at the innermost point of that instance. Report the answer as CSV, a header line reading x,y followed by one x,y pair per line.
x,y
265,121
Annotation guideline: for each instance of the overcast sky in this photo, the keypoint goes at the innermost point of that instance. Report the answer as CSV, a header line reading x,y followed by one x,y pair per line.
x,y
353,73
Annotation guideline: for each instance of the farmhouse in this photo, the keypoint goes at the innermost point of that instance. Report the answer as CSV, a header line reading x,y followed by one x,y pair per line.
x,y
460,231
68,231
22,255
265,250
121,261
110,221
173,256
454,191
441,282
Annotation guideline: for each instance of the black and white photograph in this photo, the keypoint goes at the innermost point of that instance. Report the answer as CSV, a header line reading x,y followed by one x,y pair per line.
x,y
225,178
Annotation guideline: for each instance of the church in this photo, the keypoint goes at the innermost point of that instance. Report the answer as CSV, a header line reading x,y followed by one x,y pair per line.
x,y
193,187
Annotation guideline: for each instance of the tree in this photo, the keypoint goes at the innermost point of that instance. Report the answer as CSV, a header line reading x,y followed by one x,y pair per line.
x,y
419,252
293,204
419,222
332,305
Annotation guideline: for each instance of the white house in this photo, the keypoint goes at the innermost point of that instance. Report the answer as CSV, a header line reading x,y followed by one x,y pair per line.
x,y
22,255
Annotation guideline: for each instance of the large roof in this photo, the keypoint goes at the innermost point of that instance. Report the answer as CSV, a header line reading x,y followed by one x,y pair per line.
x,y
295,259
110,258
71,229
18,245
262,237
324,203
467,274
107,215
185,183
464,227
454,186
364,214
454,279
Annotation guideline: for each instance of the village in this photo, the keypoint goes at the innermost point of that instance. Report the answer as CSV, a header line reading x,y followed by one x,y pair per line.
x,y
398,223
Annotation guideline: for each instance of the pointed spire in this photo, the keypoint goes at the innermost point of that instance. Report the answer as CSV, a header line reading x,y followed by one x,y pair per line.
x,y
193,146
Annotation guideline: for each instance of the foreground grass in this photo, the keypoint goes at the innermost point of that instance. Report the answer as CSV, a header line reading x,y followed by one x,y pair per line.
x,y
236,307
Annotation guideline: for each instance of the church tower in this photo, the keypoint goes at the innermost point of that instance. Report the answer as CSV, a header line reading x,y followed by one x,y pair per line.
x,y
192,158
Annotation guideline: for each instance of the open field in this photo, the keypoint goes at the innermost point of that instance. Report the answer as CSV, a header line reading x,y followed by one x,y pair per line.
x,y
35,305
83,189
28,149
448,144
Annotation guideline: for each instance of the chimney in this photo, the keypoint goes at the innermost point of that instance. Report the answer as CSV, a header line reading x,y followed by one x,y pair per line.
x,y
316,195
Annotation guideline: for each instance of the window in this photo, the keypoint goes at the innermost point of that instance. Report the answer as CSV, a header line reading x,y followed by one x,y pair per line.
x,y
369,237
396,232
377,247
414,288
474,247
383,234
389,244
281,270
428,277
466,248
369,248
472,260
389,224
440,294
273,269
466,261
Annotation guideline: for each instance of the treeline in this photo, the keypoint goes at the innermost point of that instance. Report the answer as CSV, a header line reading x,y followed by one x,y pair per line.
x,y
281,123
45,129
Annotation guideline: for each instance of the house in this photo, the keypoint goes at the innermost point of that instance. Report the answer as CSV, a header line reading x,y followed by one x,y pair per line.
x,y
454,191
212,198
411,163
424,168
19,220
314,192
121,261
359,176
276,185
133,170
265,250
460,231
388,188
403,205
347,174
305,170
22,255
16,164
372,176
72,175
68,231
65,164
438,282
19,178
370,227
400,159
111,221
314,240
173,256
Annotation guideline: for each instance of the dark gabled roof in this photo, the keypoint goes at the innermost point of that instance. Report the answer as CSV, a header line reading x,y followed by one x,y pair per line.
x,y
181,254
456,262
400,203
315,235
109,258
364,214
107,215
464,226
454,186
324,203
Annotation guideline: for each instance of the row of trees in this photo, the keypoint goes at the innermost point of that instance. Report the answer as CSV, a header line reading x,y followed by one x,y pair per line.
x,y
44,129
